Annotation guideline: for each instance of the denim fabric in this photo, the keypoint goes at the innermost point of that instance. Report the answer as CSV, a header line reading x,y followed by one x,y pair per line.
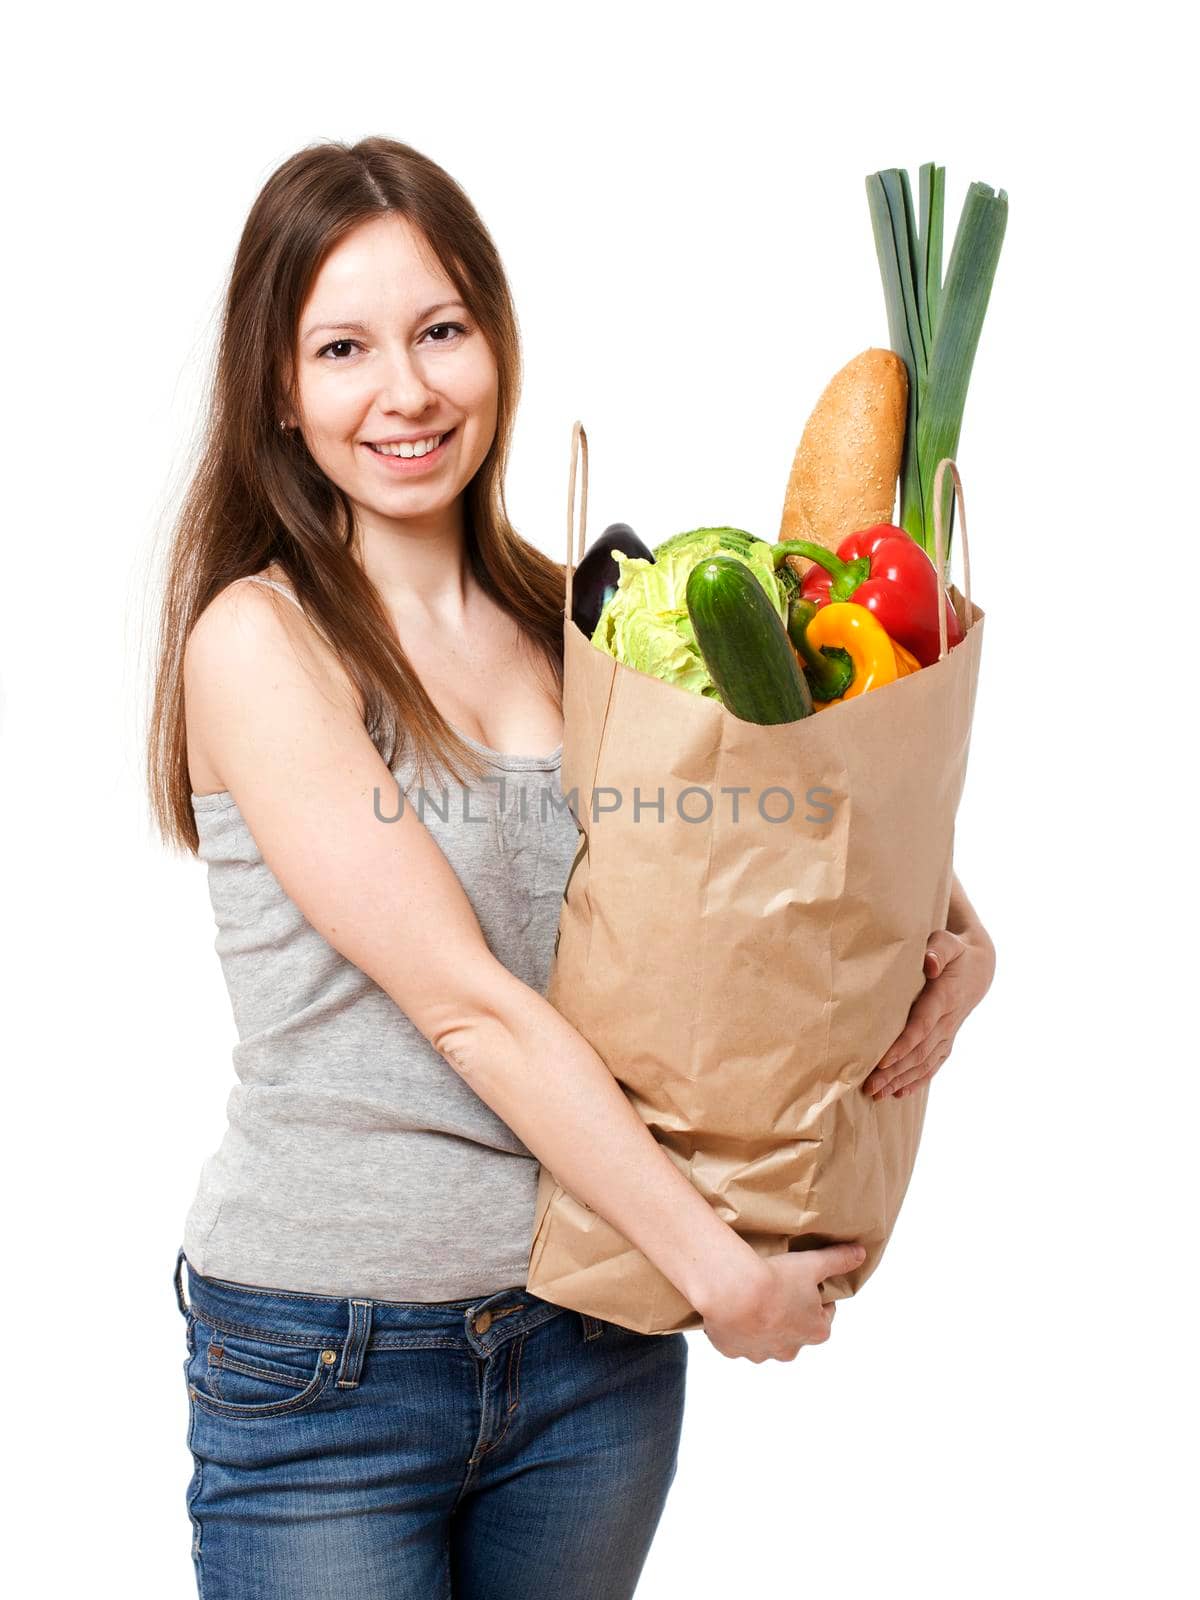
x,y
483,1449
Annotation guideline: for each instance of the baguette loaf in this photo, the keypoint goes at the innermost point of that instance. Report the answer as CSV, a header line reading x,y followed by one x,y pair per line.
x,y
848,459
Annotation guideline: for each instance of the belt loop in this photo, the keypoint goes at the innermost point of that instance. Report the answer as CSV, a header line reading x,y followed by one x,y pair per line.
x,y
356,1343
185,1309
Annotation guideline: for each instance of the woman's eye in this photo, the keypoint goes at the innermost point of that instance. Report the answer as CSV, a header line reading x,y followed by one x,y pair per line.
x,y
335,345
345,344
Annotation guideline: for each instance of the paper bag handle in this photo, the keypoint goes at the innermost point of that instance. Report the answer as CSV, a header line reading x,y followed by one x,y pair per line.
x,y
578,443
939,547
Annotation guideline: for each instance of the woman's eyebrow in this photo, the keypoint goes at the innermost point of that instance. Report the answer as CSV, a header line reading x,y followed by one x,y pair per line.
x,y
361,327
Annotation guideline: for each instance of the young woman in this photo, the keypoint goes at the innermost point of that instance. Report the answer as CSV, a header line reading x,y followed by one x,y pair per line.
x,y
350,622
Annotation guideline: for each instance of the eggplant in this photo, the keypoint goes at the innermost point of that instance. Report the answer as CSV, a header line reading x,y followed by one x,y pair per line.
x,y
597,575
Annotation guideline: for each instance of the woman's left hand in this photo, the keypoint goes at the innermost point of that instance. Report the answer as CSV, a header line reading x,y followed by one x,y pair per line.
x,y
958,973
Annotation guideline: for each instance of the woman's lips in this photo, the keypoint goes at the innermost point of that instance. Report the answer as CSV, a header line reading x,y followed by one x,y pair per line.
x,y
408,466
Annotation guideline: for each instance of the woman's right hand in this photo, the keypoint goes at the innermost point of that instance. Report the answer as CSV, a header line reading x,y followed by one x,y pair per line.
x,y
783,1311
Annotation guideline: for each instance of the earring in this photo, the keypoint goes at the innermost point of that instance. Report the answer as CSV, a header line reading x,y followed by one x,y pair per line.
x,y
283,424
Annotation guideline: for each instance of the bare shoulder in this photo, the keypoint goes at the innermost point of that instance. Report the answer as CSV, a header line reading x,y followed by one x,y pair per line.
x,y
248,638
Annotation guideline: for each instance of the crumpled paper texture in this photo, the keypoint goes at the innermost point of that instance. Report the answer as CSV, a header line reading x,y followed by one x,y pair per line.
x,y
742,978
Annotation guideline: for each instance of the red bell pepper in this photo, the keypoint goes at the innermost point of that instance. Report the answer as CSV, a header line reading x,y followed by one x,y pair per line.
x,y
885,569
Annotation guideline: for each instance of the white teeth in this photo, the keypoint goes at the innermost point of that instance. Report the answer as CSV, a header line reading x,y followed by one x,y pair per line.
x,y
421,447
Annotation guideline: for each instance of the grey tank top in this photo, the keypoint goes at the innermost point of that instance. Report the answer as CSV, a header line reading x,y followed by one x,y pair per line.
x,y
356,1160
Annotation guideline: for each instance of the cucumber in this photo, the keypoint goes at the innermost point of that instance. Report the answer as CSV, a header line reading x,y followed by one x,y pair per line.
x,y
745,644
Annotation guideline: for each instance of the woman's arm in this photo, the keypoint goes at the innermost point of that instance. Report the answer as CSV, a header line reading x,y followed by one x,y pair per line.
x,y
282,727
962,918
960,961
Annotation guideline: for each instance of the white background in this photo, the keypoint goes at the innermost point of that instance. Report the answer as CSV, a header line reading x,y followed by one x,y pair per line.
x,y
678,196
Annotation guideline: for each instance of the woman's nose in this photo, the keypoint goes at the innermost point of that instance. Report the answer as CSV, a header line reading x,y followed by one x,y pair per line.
x,y
402,385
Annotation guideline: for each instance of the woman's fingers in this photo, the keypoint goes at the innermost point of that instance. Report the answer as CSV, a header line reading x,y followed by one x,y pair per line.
x,y
918,1037
935,1015
913,1043
907,1081
919,1063
941,948
916,1031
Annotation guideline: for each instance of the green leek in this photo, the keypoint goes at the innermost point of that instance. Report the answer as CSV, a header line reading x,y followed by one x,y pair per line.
x,y
934,325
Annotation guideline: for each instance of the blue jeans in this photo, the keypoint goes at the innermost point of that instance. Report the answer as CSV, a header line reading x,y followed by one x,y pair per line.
x,y
487,1449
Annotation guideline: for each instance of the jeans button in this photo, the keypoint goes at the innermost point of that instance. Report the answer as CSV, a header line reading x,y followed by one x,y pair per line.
x,y
483,1322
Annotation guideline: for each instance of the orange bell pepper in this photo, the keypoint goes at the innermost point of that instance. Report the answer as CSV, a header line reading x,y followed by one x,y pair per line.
x,y
843,626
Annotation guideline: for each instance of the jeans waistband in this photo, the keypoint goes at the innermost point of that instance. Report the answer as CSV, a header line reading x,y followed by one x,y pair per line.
x,y
356,1323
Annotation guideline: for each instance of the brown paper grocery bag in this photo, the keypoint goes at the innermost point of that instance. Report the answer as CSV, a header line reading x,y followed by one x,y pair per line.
x,y
742,978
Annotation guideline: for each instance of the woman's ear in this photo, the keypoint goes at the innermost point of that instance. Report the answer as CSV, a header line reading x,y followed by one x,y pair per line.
x,y
287,419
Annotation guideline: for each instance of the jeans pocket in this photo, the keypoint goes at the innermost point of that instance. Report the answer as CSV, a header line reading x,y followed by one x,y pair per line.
x,y
233,1375
616,1333
626,1342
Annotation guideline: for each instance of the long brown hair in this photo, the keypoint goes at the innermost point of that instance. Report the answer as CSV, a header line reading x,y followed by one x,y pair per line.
x,y
257,497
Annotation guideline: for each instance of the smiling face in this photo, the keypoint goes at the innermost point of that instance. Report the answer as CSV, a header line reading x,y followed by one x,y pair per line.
x,y
410,363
